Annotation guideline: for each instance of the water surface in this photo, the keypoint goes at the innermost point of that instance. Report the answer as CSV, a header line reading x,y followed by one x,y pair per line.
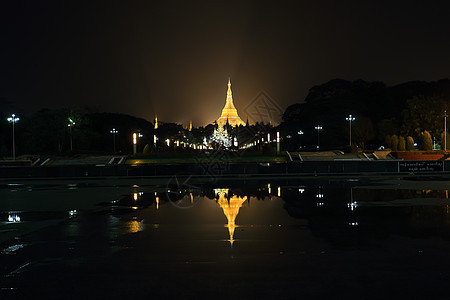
x,y
326,238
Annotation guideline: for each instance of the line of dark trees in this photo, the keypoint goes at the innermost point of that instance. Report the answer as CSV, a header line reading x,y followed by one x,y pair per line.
x,y
404,110
395,116
46,132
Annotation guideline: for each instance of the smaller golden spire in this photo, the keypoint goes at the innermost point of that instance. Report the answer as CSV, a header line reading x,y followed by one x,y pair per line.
x,y
156,121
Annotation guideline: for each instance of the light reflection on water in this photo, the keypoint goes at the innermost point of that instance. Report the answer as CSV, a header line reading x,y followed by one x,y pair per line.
x,y
252,230
230,205
133,226
337,214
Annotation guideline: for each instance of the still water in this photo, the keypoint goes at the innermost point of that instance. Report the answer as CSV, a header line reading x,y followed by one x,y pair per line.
x,y
317,238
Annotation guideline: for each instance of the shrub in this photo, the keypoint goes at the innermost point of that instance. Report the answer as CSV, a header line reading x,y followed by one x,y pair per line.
x,y
388,141
410,144
401,144
427,142
443,141
394,142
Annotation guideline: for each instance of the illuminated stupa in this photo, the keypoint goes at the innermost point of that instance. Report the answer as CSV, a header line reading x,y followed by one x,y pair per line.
x,y
230,209
229,112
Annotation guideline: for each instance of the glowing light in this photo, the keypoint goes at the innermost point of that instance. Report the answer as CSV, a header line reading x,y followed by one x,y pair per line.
x,y
352,205
279,191
134,138
157,201
134,226
229,113
135,196
230,209
14,218
114,131
221,136
318,128
350,118
268,187
13,120
71,123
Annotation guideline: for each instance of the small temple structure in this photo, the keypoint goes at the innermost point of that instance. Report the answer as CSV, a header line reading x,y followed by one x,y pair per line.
x,y
229,112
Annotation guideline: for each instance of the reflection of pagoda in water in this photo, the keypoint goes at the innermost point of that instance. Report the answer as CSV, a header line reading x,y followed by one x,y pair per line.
x,y
230,206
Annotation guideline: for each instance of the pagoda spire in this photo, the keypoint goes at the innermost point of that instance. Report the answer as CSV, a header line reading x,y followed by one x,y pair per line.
x,y
229,93
156,121
229,112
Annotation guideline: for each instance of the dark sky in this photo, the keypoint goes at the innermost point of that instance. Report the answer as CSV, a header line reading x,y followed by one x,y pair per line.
x,y
174,58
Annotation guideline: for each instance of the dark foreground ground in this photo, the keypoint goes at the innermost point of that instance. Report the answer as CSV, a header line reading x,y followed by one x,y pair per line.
x,y
112,238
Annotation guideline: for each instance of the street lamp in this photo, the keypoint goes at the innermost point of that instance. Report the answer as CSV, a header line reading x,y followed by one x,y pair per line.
x,y
278,142
134,143
318,128
114,131
445,130
70,125
350,118
140,135
300,133
13,119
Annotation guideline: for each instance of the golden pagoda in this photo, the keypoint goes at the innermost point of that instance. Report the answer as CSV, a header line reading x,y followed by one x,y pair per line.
x,y
229,112
230,209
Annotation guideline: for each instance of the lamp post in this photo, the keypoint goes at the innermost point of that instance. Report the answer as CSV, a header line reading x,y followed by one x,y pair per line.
x,y
13,119
278,142
114,131
318,128
350,118
300,133
134,143
445,130
139,140
70,125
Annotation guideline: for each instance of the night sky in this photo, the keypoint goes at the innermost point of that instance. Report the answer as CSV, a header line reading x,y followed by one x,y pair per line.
x,y
174,58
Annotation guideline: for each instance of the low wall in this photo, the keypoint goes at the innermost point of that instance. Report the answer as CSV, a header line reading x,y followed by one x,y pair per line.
x,y
418,155
14,163
220,169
